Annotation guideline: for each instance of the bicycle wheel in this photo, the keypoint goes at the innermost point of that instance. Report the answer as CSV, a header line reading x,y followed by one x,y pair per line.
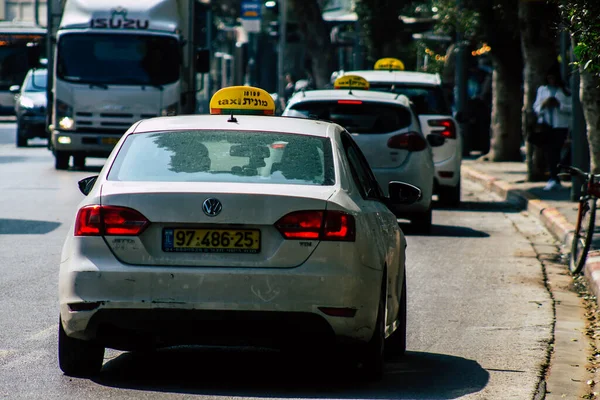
x,y
584,232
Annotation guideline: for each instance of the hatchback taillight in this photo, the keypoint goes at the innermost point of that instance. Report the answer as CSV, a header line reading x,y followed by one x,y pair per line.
x,y
447,126
411,141
317,225
97,220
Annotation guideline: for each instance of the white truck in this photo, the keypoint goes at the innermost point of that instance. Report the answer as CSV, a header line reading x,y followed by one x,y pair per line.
x,y
114,62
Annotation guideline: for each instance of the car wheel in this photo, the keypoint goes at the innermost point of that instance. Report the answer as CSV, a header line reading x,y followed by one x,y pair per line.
x,y
372,359
449,195
79,162
61,160
395,344
78,357
422,222
21,140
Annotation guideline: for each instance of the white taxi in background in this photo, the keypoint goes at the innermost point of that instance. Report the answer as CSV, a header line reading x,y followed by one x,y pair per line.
x,y
426,93
234,229
388,133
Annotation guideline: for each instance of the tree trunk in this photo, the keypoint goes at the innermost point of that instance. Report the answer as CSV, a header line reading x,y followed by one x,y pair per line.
x,y
590,100
538,37
506,113
317,39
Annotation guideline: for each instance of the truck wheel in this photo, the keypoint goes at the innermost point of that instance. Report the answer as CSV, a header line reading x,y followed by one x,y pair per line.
x,y
61,160
79,162
21,140
395,344
78,357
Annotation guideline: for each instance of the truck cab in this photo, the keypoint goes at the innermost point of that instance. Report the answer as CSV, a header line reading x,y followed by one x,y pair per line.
x,y
117,62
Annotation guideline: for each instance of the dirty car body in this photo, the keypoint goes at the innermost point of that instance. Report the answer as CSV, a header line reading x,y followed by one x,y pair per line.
x,y
254,232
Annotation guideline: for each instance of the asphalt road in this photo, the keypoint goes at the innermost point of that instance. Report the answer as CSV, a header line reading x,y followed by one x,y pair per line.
x,y
479,315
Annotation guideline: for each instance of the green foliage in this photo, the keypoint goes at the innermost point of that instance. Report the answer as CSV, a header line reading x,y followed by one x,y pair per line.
x,y
582,18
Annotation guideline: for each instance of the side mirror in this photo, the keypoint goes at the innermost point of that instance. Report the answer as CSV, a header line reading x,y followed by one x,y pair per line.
x,y
14,89
202,62
86,184
436,140
404,193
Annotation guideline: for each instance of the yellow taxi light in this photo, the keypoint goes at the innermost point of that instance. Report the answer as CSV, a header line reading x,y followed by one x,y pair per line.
x,y
351,82
245,100
389,64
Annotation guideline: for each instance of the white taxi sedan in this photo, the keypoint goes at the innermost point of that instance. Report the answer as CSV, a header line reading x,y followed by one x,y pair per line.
x,y
387,131
234,229
425,91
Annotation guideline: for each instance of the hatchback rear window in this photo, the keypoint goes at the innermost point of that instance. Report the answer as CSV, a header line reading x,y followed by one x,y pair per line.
x,y
357,116
426,99
224,156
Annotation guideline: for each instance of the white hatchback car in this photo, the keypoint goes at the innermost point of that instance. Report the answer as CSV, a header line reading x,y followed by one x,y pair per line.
x,y
196,223
388,133
431,105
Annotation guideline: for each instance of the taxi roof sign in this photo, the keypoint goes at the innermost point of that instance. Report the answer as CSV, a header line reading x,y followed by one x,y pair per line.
x,y
390,64
351,82
244,100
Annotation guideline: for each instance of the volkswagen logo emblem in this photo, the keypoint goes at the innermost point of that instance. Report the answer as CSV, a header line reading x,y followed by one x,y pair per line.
x,y
212,207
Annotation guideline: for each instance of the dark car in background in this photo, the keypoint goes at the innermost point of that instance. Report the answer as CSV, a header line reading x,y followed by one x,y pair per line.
x,y
30,106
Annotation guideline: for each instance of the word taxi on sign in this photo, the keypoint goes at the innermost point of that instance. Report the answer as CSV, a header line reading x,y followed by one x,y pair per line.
x,y
242,100
351,82
390,64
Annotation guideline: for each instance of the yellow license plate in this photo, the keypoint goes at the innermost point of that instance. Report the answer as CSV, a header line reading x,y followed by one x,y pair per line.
x,y
212,240
110,140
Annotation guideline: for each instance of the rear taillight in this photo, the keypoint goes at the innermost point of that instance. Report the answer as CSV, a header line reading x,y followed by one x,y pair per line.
x,y
96,220
411,141
448,127
317,225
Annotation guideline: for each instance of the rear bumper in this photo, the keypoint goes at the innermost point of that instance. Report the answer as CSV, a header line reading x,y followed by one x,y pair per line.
x,y
183,305
91,144
449,166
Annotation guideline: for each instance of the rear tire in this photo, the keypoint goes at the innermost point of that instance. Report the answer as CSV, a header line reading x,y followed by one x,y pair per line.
x,y
422,222
79,162
61,160
582,238
21,141
78,357
372,358
449,195
395,344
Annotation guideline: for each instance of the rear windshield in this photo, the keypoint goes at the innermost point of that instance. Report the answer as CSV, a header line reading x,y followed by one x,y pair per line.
x,y
426,99
224,156
361,117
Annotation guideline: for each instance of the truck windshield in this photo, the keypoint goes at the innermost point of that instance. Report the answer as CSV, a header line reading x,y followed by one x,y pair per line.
x,y
118,59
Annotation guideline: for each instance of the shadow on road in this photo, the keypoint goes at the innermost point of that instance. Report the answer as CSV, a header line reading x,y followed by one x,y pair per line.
x,y
26,227
11,159
447,231
483,206
218,372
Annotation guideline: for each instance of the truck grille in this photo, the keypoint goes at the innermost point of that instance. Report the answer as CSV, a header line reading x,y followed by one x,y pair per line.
x,y
107,122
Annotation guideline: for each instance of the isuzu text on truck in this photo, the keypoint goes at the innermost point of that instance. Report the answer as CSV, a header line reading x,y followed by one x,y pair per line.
x,y
116,62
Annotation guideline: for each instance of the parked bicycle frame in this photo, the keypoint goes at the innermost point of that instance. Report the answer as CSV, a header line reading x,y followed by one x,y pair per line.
x,y
586,218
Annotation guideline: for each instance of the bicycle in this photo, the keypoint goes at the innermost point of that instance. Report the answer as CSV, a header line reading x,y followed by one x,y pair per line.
x,y
586,217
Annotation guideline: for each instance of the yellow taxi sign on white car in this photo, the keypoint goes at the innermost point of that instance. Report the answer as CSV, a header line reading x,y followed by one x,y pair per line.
x,y
245,100
389,64
351,82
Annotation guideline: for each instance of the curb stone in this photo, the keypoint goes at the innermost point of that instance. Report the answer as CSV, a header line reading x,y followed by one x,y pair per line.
x,y
552,219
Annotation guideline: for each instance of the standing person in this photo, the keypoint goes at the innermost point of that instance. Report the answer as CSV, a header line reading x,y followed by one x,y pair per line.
x,y
553,106
288,91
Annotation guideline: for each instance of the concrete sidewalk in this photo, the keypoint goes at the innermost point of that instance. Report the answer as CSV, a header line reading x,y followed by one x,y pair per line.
x,y
554,208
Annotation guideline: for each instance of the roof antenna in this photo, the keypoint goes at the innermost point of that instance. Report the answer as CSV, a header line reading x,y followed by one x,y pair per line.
x,y
398,95
232,119
303,92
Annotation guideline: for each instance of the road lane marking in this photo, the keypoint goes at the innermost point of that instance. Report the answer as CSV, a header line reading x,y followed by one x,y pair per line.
x,y
44,333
